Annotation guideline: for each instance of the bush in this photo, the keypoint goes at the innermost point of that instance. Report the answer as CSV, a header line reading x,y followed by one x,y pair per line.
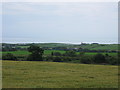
x,y
56,54
112,60
81,54
9,56
99,58
57,59
48,58
86,59
34,57
67,59
70,53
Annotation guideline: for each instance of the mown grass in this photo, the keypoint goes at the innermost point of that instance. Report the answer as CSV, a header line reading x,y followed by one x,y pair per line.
x,y
32,74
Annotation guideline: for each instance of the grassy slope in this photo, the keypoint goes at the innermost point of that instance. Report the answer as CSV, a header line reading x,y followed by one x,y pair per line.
x,y
54,45
100,46
28,74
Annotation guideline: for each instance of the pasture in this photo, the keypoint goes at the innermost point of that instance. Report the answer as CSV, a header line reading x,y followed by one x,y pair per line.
x,y
17,53
101,46
34,74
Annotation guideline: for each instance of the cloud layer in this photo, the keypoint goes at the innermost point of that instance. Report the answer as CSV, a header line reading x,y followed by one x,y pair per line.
x,y
60,22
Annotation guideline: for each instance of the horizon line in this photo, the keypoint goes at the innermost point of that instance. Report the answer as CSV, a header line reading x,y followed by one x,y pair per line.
x,y
61,42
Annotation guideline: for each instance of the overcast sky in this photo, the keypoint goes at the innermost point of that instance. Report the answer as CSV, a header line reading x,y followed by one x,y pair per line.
x,y
60,22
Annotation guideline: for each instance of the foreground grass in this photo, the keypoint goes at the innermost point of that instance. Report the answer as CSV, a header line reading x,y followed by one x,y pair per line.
x,y
31,74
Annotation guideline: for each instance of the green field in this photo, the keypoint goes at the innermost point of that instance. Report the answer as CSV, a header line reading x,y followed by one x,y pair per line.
x,y
47,52
17,53
101,46
24,53
33,74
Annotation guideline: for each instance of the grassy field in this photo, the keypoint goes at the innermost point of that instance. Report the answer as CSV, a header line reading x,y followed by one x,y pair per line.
x,y
101,46
17,53
31,74
48,52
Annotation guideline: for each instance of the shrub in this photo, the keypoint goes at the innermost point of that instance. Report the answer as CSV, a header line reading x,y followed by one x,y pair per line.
x,y
67,59
9,56
81,54
70,53
56,54
86,59
99,58
112,60
34,57
57,59
48,58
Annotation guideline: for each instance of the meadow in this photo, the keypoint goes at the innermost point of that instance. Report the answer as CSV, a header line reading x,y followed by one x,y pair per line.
x,y
34,74
51,74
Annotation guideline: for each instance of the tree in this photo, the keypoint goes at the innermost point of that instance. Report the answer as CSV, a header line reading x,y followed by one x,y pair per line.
x,y
9,56
36,53
56,54
81,54
99,58
57,59
86,59
70,53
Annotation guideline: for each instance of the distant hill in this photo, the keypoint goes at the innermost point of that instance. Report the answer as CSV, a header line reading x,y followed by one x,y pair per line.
x,y
83,46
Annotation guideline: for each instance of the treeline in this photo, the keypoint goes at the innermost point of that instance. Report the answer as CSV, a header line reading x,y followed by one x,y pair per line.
x,y
80,49
11,47
71,56
37,54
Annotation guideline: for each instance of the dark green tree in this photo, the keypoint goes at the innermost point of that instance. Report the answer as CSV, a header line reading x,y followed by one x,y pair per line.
x,y
70,53
99,58
36,53
52,53
56,54
86,59
81,54
9,56
57,59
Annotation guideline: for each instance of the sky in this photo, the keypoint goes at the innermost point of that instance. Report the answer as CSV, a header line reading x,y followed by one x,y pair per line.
x,y
68,22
